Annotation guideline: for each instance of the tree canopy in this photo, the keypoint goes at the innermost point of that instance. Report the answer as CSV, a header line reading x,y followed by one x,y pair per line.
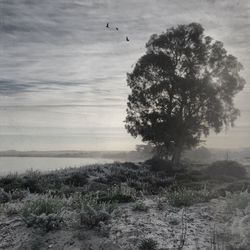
x,y
181,88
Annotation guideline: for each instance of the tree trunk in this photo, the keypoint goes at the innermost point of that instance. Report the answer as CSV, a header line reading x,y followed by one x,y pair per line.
x,y
177,156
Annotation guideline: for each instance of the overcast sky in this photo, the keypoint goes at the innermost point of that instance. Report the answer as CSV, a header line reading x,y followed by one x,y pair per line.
x,y
63,74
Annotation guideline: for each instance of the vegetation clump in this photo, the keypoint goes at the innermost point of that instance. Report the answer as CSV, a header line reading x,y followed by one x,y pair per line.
x,y
11,182
148,244
118,193
77,179
4,196
140,206
186,197
93,212
159,165
226,168
43,211
12,209
238,202
31,180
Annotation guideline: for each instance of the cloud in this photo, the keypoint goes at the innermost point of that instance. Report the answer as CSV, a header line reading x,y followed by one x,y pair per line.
x,y
10,87
59,53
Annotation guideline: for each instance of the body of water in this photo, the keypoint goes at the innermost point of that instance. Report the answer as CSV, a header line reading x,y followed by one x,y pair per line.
x,y
22,164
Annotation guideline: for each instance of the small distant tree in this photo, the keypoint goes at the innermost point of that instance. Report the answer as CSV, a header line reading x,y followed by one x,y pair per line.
x,y
182,88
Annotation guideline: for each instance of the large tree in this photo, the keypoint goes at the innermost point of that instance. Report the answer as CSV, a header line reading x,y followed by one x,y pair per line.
x,y
182,88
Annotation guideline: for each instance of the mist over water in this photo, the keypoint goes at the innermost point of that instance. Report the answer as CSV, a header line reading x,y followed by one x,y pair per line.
x,y
21,165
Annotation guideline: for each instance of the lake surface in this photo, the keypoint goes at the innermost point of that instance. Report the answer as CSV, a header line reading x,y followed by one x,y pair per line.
x,y
21,164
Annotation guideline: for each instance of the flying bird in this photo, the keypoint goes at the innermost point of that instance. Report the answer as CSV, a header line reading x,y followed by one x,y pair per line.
x,y
117,29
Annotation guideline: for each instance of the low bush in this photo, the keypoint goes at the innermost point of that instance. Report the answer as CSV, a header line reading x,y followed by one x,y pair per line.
x,y
19,194
47,222
172,220
11,182
32,180
12,209
234,187
186,197
43,211
42,204
78,179
53,181
93,212
118,193
160,165
148,244
226,168
119,174
140,206
4,196
161,203
238,202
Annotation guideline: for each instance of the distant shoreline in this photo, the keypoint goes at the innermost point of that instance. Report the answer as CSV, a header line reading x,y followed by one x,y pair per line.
x,y
119,155
47,156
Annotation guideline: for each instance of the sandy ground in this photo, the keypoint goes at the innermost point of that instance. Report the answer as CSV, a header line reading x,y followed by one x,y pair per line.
x,y
168,225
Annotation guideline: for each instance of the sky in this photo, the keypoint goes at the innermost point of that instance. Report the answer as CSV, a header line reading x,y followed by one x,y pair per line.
x,y
63,73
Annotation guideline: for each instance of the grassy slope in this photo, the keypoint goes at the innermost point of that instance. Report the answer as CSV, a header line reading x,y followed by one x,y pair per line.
x,y
119,204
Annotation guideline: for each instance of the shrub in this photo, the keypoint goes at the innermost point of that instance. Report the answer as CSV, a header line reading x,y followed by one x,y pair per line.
x,y
226,168
43,211
46,222
148,244
42,204
93,212
32,181
173,220
2,208
118,193
160,204
4,196
19,194
12,209
11,182
140,206
238,186
186,197
238,201
160,165
52,180
77,179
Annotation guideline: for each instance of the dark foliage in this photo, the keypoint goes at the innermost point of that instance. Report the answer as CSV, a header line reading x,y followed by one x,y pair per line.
x,y
4,196
226,168
33,184
30,181
11,182
116,195
160,165
183,197
148,244
117,198
77,179
48,223
182,88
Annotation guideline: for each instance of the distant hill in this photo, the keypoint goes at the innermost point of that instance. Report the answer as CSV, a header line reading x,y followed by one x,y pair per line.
x,y
124,155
